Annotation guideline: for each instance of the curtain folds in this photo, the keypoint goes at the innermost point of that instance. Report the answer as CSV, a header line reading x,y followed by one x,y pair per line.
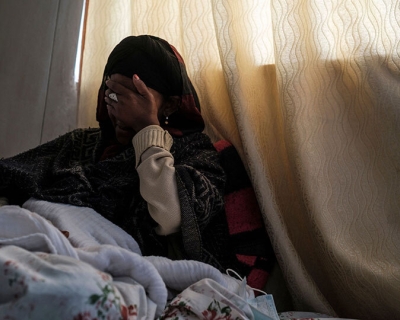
x,y
309,94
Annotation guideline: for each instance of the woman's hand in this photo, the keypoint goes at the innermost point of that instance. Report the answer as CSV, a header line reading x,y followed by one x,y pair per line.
x,y
137,107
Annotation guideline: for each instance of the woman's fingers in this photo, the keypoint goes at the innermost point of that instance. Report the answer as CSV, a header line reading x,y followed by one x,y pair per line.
x,y
140,86
135,104
117,87
109,102
111,95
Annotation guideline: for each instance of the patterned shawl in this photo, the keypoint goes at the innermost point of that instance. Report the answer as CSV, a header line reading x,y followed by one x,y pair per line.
x,y
65,170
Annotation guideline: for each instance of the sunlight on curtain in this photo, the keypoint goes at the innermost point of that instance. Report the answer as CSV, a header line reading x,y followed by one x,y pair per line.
x,y
309,93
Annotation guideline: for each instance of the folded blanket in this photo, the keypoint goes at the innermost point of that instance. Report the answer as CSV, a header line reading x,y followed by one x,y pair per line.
x,y
85,226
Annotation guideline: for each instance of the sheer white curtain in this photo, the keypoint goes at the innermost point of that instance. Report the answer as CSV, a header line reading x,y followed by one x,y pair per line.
x,y
309,93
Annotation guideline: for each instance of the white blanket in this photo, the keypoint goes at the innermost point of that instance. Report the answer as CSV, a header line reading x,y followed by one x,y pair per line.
x,y
97,270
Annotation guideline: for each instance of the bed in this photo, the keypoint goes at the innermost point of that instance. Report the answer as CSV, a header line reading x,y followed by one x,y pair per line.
x,y
59,261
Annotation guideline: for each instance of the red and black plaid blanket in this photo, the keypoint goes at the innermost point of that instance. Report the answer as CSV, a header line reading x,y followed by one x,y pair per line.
x,y
246,227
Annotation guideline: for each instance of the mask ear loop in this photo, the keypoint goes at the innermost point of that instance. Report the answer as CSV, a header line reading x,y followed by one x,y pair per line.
x,y
228,271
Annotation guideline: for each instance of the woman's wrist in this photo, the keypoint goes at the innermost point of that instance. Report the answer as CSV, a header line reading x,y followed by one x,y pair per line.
x,y
152,135
144,124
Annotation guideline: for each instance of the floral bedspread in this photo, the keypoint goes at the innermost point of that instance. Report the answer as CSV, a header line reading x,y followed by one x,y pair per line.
x,y
63,262
48,286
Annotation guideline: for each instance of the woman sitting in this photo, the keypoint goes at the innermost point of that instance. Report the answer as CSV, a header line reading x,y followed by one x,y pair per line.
x,y
148,168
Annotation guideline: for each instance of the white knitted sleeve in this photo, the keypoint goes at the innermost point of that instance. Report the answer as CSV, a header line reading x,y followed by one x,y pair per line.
x,y
155,166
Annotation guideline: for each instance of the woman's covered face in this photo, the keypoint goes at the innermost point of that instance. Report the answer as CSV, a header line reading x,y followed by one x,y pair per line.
x,y
123,132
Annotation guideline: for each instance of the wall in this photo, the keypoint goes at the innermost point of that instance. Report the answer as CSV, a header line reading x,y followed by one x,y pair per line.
x,y
38,43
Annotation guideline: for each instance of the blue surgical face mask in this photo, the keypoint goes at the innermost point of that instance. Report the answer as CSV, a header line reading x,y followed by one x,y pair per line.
x,y
262,307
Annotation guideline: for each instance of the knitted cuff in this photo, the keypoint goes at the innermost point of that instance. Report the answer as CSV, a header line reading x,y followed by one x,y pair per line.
x,y
149,137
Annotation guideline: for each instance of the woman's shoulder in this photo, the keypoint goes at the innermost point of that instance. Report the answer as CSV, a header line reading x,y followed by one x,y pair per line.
x,y
79,132
192,141
196,137
194,146
85,131
86,134
80,137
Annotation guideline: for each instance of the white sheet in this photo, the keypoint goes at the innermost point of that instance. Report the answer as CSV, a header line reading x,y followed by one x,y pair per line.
x,y
95,242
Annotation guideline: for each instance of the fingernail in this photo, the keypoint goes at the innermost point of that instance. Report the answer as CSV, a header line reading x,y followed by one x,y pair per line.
x,y
136,77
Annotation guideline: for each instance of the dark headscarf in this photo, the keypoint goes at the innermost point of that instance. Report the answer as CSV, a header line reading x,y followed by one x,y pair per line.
x,y
160,67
